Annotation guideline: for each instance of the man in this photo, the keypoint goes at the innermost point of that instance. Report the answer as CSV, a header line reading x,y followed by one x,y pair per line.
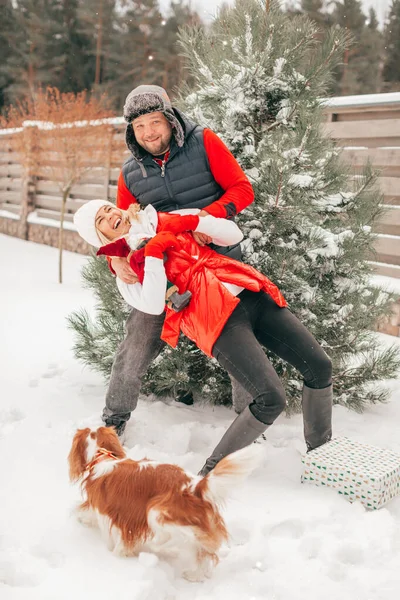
x,y
175,164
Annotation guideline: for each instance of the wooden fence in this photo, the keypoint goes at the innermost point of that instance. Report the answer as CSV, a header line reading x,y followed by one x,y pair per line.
x,y
367,127
31,209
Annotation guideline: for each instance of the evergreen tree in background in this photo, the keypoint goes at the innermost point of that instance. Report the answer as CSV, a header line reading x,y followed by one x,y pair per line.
x,y
372,43
110,46
257,80
373,23
96,28
7,31
316,10
145,48
360,70
72,69
180,15
31,43
136,49
391,69
105,46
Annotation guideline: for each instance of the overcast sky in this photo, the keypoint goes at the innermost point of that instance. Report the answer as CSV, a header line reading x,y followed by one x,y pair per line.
x,y
207,8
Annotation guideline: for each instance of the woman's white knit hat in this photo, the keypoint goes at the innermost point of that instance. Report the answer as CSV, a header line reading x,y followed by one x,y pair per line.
x,y
84,221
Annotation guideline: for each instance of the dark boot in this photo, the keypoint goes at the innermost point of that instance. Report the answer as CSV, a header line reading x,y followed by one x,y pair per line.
x,y
185,397
119,423
244,430
317,415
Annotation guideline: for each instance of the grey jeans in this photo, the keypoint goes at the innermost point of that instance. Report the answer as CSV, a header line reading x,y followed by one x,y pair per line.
x,y
142,344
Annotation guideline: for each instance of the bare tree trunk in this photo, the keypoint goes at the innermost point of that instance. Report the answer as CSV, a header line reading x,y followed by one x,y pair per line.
x,y
28,192
31,71
61,232
98,44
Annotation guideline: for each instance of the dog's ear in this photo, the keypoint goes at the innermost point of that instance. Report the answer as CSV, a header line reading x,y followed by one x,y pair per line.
x,y
106,437
77,456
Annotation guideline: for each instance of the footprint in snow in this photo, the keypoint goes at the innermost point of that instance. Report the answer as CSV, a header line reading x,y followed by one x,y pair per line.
x,y
20,569
292,528
53,558
9,419
53,371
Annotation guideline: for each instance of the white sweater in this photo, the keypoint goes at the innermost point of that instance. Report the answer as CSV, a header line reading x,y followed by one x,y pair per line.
x,y
149,296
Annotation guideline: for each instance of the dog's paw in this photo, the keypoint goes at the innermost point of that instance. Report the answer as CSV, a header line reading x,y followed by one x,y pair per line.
x,y
85,516
194,576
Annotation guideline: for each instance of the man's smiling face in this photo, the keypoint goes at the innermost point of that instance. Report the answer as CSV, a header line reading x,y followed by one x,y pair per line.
x,y
153,132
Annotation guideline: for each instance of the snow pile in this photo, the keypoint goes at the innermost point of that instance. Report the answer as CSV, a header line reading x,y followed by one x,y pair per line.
x,y
288,540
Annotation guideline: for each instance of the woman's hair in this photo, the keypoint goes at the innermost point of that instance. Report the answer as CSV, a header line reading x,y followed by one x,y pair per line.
x,y
131,214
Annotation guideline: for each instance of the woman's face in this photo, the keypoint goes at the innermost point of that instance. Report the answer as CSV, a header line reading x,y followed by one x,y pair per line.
x,y
111,222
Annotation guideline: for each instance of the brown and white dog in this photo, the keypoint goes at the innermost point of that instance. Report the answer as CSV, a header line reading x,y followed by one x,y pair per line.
x,y
144,506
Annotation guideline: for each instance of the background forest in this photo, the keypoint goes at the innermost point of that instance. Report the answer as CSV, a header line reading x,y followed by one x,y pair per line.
x,y
110,46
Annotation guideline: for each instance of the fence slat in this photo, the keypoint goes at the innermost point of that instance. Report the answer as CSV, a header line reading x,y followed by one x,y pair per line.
x,y
54,203
388,249
379,128
10,183
54,215
13,208
390,186
11,170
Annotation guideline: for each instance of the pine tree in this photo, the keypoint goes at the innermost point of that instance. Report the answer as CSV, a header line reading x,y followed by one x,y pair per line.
x,y
8,34
144,48
361,69
372,55
258,79
32,41
391,69
316,10
96,21
180,15
373,23
72,71
135,54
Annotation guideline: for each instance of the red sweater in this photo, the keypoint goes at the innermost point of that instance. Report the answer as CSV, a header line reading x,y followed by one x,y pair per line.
x,y
226,172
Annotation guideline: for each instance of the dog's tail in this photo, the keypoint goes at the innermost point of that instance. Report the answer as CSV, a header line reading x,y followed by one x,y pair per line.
x,y
229,472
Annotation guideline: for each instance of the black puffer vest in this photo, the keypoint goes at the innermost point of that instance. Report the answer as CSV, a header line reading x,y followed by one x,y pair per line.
x,y
185,182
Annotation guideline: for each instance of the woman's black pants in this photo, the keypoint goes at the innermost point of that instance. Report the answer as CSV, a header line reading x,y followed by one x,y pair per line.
x,y
258,321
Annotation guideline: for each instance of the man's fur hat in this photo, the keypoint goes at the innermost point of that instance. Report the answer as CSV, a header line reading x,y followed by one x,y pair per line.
x,y
147,99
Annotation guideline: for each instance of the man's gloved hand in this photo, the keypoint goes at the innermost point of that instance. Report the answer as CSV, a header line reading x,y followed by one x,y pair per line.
x,y
159,243
178,223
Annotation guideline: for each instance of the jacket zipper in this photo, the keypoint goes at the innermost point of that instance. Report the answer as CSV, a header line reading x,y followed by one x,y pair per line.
x,y
164,175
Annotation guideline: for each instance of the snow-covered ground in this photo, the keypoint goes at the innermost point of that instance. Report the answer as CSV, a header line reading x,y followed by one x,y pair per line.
x,y
289,541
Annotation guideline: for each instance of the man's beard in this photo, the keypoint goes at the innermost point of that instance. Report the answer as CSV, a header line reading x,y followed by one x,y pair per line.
x,y
161,147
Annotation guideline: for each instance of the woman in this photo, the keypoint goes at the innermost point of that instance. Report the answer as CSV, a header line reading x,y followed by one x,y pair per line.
x,y
233,312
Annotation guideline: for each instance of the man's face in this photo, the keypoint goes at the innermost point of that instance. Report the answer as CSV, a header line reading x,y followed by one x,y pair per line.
x,y
153,132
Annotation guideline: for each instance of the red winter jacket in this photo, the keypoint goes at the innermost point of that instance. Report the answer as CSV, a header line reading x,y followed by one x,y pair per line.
x,y
201,270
